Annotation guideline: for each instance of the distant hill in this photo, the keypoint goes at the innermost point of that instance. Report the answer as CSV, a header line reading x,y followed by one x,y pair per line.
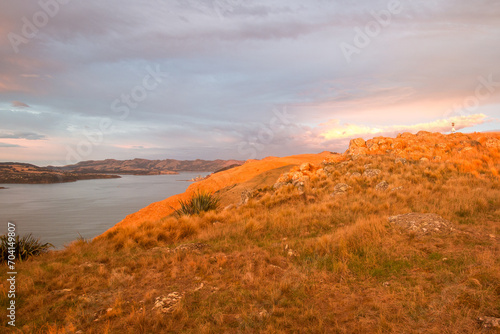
x,y
15,172
148,167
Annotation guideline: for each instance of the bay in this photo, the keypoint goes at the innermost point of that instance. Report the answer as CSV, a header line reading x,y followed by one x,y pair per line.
x,y
59,213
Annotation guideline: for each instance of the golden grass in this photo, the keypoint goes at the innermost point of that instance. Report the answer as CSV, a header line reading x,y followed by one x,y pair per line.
x,y
289,261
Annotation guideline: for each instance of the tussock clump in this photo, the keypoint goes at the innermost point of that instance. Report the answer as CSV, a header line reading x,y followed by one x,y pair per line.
x,y
21,247
200,202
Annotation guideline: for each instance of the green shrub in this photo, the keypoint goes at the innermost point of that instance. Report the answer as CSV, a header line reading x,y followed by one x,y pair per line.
x,y
200,202
23,247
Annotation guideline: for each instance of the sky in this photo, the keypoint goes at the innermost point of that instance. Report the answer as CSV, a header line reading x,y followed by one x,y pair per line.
x,y
239,79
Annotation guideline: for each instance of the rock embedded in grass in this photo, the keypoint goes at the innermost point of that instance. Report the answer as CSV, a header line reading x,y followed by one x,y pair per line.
x,y
340,188
191,247
490,322
382,186
372,172
167,304
422,223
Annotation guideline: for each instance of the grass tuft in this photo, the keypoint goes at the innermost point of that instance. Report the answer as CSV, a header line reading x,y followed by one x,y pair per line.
x,y
200,202
22,248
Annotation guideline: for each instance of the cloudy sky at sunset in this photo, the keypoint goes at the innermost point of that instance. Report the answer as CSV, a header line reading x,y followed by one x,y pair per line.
x,y
187,79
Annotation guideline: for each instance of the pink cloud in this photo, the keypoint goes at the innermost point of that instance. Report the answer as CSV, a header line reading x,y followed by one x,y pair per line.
x,y
20,104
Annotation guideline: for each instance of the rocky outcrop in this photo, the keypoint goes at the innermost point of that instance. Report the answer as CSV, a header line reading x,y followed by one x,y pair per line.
x,y
425,145
299,176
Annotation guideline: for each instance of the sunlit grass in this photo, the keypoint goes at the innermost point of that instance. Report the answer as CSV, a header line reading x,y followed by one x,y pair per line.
x,y
288,261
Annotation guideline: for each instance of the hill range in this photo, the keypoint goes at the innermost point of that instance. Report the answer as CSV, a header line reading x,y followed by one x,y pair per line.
x,y
148,167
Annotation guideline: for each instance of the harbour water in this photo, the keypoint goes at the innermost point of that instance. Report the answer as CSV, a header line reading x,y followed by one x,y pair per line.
x,y
59,213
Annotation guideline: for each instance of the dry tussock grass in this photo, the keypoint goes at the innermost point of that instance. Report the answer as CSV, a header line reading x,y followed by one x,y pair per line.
x,y
290,261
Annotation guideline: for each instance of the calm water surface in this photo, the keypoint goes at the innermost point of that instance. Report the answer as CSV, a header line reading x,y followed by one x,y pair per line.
x,y
57,213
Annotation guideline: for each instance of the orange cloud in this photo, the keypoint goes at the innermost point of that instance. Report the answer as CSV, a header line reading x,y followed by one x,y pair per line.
x,y
334,130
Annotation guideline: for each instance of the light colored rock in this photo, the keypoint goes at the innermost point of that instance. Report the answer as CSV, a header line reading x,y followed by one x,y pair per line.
x,y
422,223
373,147
263,314
245,196
492,143
167,304
490,322
340,188
321,173
372,172
357,147
306,166
357,142
382,186
466,149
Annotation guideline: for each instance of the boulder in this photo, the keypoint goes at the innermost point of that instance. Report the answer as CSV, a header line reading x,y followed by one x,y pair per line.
x,y
167,304
340,188
306,166
371,173
382,186
490,322
357,147
321,173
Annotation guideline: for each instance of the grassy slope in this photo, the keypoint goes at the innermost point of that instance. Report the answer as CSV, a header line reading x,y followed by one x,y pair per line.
x,y
216,182
349,270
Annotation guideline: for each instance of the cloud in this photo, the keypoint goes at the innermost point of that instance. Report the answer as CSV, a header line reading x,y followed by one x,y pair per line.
x,y
333,129
21,135
20,104
229,63
2,145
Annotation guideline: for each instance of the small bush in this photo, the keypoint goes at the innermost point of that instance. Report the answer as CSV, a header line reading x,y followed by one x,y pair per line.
x,y
24,247
200,202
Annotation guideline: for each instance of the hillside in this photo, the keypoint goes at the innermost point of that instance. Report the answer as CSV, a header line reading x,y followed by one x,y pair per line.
x,y
402,237
148,167
14,172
